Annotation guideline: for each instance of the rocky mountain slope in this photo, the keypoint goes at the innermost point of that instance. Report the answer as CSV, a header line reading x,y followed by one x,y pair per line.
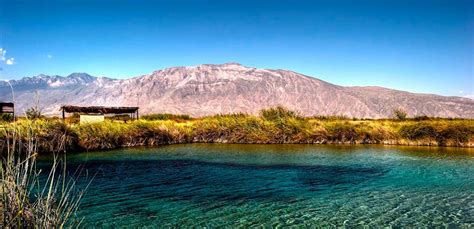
x,y
227,88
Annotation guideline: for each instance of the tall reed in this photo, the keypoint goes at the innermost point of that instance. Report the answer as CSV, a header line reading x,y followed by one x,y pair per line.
x,y
28,199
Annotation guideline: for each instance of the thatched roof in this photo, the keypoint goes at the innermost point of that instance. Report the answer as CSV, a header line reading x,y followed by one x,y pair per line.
x,y
99,109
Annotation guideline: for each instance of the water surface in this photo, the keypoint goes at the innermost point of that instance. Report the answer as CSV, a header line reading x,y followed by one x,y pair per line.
x,y
208,185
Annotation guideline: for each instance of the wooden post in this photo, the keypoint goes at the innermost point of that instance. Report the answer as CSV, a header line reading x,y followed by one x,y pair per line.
x,y
64,115
137,115
14,112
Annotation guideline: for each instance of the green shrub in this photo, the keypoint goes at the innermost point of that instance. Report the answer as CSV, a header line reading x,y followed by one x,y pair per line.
x,y
332,117
120,117
456,133
443,131
6,117
278,114
341,132
400,114
176,117
33,113
421,118
418,130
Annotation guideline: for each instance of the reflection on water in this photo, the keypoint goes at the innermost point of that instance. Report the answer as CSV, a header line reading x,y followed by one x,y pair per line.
x,y
278,185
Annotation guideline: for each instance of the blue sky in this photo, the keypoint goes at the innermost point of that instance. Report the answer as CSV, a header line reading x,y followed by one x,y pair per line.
x,y
418,46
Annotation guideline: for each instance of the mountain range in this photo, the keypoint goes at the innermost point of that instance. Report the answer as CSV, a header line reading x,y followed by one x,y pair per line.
x,y
209,89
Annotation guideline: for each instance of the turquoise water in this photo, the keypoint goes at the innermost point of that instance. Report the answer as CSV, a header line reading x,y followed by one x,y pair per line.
x,y
210,185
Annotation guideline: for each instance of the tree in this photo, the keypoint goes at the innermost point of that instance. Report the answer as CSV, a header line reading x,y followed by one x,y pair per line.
x,y
400,114
33,113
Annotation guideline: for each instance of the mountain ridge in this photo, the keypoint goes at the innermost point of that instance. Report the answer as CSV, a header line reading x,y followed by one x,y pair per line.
x,y
209,89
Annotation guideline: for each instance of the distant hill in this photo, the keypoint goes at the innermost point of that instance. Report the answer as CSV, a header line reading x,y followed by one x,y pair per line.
x,y
227,88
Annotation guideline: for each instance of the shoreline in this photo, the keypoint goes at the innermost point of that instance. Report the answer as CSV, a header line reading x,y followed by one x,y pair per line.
x,y
408,144
420,146
53,135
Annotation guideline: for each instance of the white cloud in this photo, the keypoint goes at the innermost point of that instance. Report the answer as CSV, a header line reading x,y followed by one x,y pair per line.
x,y
469,96
461,92
49,56
3,57
10,61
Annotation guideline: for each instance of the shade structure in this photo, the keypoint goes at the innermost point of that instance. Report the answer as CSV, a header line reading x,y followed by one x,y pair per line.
x,y
99,110
7,108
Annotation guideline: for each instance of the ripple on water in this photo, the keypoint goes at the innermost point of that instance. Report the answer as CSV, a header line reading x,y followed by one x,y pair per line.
x,y
366,187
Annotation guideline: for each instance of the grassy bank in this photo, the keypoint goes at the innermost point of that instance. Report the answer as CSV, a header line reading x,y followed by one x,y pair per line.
x,y
271,126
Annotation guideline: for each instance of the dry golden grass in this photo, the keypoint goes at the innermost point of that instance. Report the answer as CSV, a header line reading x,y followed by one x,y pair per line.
x,y
276,125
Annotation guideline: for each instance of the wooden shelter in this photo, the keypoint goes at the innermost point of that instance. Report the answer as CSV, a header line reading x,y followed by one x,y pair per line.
x,y
100,110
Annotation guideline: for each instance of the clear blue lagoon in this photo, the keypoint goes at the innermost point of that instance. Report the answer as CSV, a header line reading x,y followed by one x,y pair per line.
x,y
209,185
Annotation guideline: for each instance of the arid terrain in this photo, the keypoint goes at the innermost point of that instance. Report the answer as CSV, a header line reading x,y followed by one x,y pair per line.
x,y
227,88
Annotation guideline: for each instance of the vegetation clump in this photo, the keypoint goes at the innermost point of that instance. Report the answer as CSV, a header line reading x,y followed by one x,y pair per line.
x,y
453,132
6,117
274,125
26,200
33,113
175,117
400,114
278,114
